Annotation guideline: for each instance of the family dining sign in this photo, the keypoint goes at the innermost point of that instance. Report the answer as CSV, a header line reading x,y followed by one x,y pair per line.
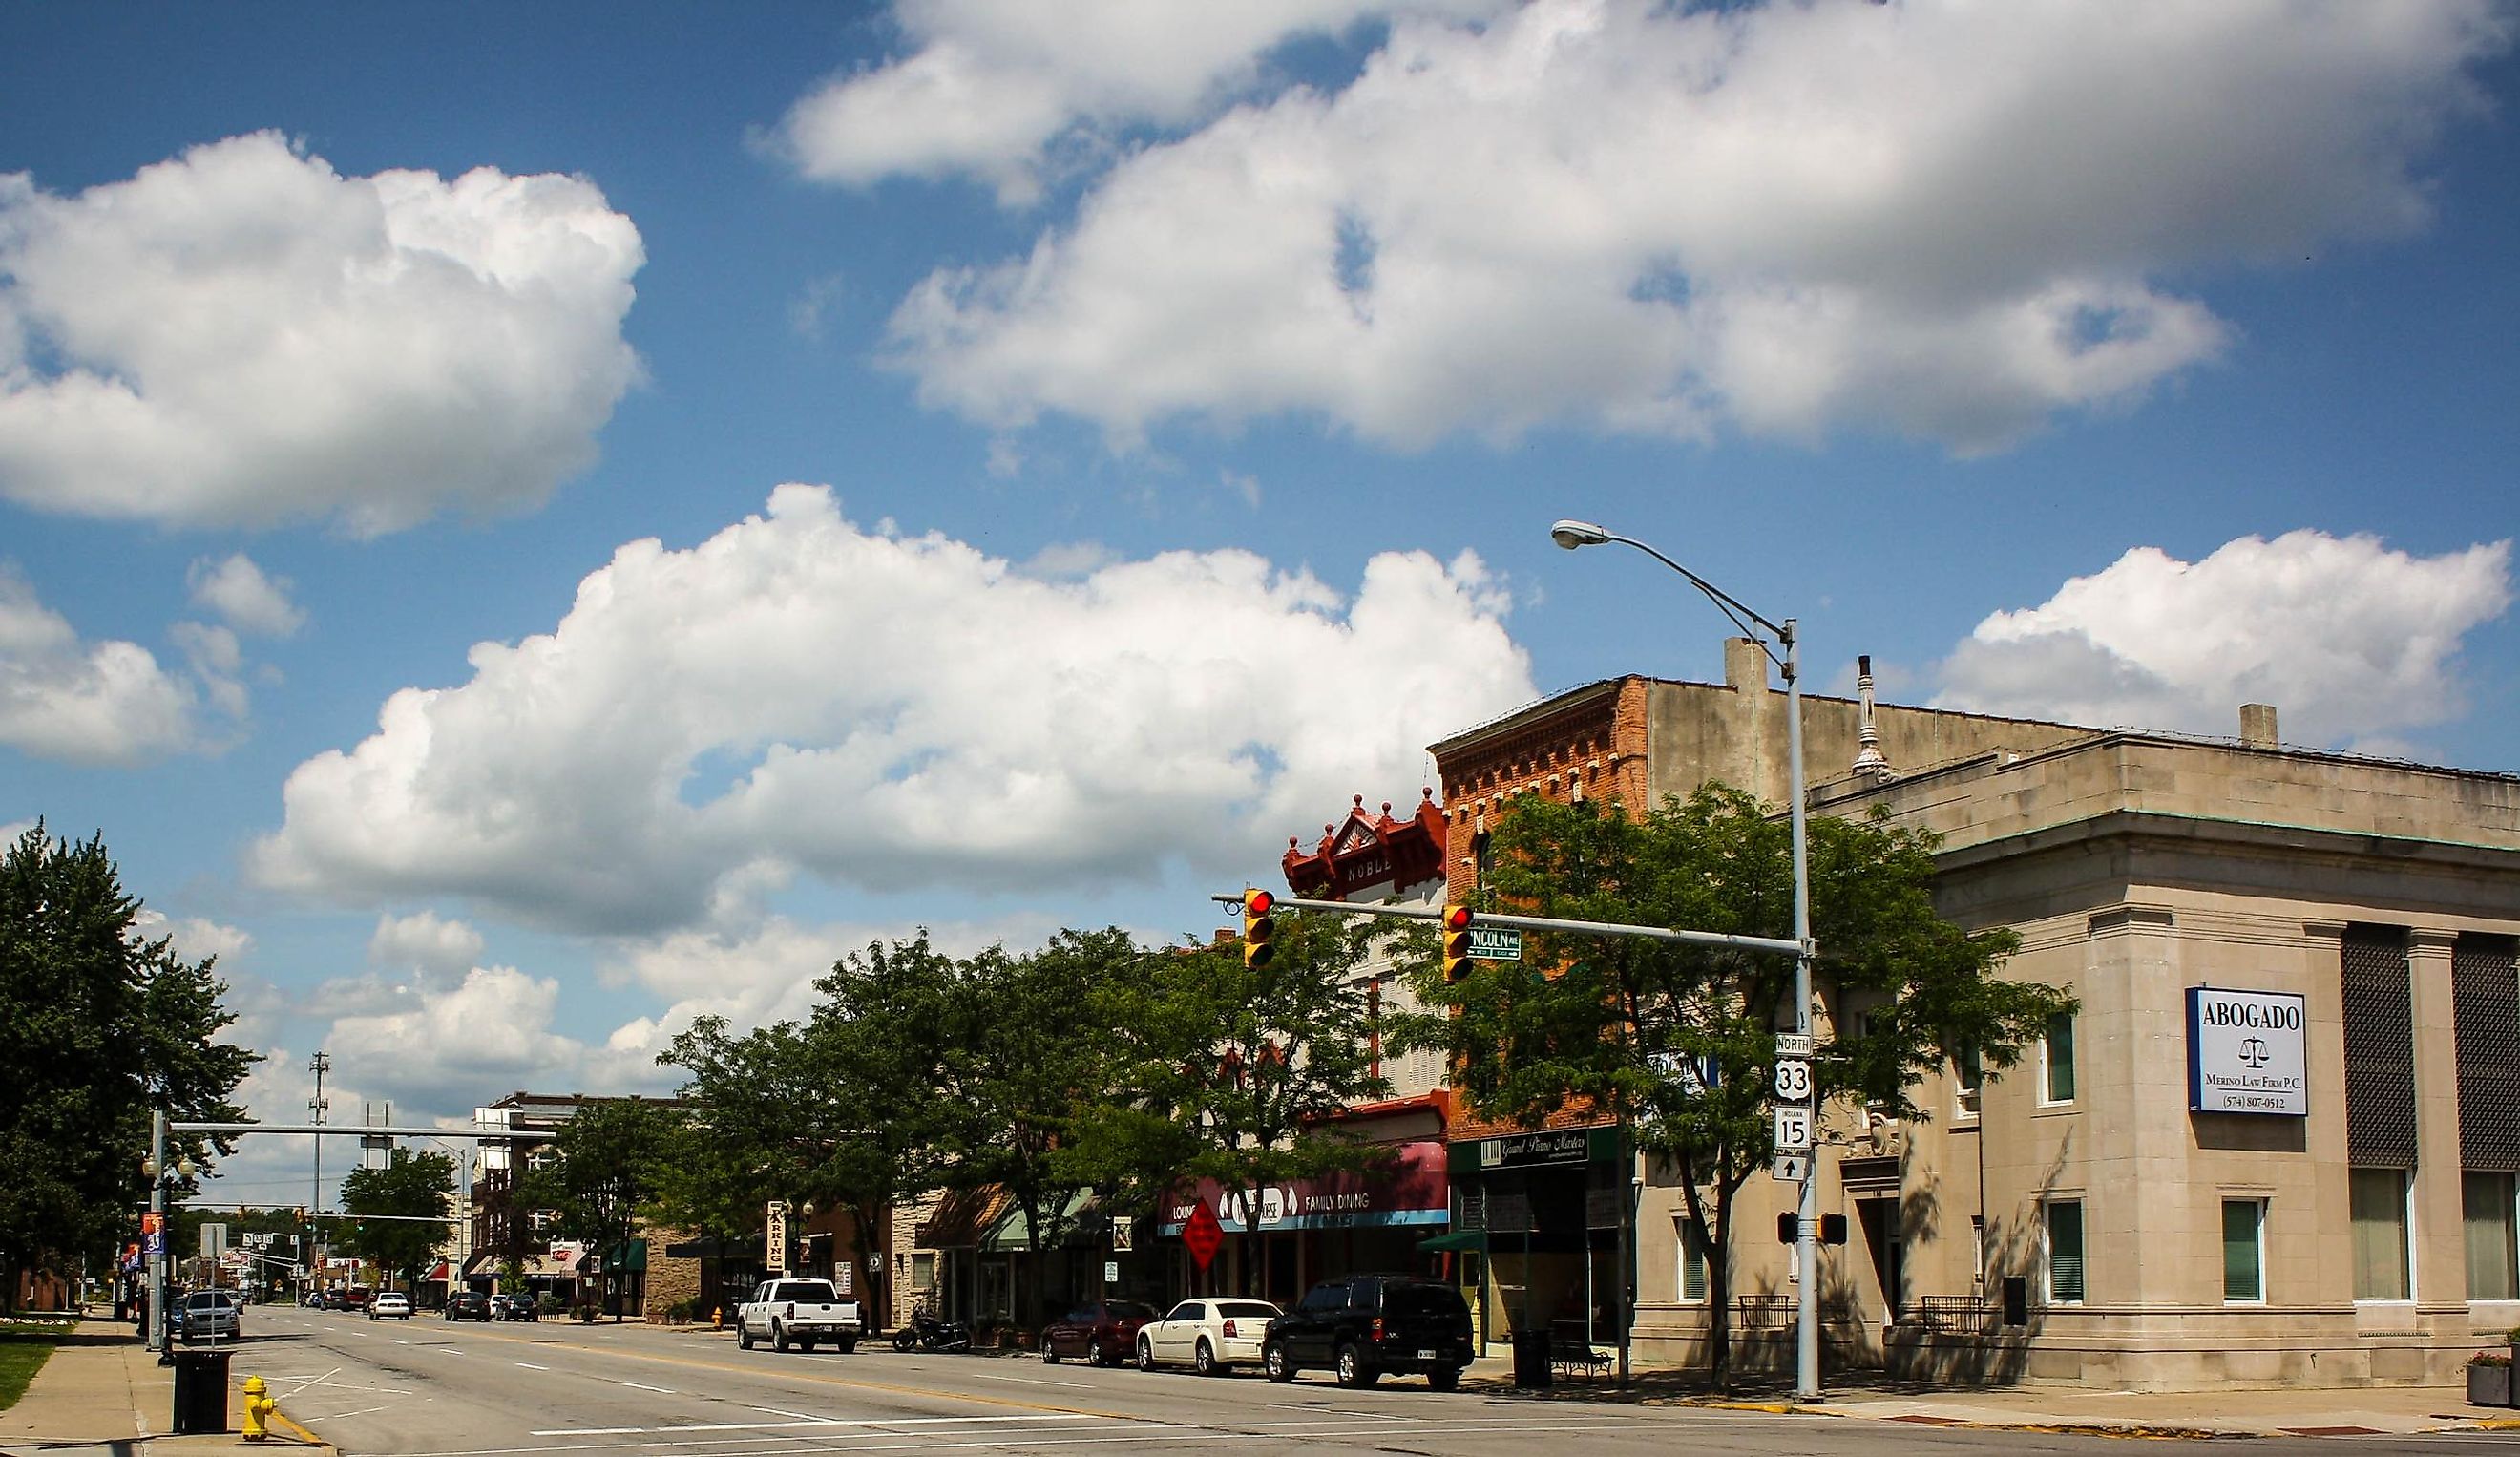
x,y
2247,1052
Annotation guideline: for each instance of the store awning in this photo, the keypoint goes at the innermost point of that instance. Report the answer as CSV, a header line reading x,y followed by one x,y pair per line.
x,y
960,1217
1014,1232
1460,1238
437,1274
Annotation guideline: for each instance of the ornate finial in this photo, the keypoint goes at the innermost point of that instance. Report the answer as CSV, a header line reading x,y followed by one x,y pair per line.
x,y
1868,761
1426,792
1386,809
1357,799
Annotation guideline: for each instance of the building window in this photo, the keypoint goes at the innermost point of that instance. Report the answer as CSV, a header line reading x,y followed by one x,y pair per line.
x,y
2057,1059
1977,1253
922,1273
2065,1251
1969,1076
2493,1251
2380,1212
2244,1250
1693,1259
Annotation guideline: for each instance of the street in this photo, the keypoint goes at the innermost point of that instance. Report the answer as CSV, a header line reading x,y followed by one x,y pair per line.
x,y
377,1388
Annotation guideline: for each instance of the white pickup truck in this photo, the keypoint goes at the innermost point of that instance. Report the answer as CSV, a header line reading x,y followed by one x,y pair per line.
x,y
800,1312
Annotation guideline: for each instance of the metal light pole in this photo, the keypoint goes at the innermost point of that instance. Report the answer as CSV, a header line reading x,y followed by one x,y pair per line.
x,y
1571,534
154,1338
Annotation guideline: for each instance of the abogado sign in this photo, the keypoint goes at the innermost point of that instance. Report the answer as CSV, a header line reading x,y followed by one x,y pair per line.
x,y
2247,1052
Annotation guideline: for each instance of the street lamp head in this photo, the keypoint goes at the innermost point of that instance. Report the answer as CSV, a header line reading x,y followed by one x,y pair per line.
x,y
149,1168
1571,534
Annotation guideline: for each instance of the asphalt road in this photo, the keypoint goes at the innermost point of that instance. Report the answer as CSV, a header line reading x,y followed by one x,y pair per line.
x,y
426,1388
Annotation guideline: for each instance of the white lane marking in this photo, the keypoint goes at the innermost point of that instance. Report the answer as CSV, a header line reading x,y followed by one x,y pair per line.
x,y
530,1366
878,1423
636,1386
1000,1439
1033,1380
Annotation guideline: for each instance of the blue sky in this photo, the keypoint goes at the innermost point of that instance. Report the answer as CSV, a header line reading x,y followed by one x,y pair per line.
x,y
521,526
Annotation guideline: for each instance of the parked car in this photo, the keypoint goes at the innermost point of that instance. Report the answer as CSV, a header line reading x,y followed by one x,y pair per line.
x,y
355,1298
1103,1332
389,1304
207,1315
467,1304
1209,1335
1362,1326
514,1305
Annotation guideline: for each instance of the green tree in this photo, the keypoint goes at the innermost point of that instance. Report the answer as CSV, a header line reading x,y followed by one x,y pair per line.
x,y
105,1024
412,1192
1026,1065
846,1109
1678,1042
605,1167
1244,1067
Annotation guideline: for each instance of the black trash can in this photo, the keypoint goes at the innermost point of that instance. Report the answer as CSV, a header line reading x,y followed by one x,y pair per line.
x,y
200,1391
1531,1358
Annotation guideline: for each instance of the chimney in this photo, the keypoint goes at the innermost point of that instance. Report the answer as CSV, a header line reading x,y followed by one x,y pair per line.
x,y
1745,665
2257,726
1869,762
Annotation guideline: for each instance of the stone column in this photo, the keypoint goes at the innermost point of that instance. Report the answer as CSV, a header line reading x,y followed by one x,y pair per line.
x,y
2437,1236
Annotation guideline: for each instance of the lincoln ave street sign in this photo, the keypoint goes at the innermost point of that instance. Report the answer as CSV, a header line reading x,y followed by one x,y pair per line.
x,y
1495,943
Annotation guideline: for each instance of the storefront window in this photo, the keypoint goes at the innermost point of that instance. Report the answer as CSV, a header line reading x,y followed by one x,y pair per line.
x,y
2492,1253
922,1273
2379,1213
2065,1252
2244,1262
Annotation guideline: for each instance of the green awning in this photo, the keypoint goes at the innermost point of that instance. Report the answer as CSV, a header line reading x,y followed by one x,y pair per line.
x,y
1460,1238
1014,1232
629,1254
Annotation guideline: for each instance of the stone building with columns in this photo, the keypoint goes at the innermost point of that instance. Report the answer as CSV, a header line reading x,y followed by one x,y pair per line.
x,y
2276,1145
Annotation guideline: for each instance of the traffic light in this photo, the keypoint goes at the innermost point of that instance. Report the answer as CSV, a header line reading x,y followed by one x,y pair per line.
x,y
1259,932
1456,942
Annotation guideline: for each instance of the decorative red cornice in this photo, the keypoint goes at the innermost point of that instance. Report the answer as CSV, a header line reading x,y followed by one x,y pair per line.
x,y
1367,850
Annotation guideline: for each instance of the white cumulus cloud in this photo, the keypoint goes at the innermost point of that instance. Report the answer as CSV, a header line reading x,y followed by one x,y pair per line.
x,y
84,703
436,948
241,335
453,1049
1939,218
892,712
2350,640
989,85
239,592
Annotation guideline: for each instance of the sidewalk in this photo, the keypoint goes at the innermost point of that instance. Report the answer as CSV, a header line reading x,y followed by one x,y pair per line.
x,y
103,1391
2358,1411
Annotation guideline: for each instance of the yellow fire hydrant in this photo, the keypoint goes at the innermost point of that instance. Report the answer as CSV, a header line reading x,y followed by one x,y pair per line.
x,y
258,1407
717,1317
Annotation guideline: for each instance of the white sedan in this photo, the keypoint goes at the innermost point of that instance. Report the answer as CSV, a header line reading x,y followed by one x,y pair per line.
x,y
389,1304
1207,1335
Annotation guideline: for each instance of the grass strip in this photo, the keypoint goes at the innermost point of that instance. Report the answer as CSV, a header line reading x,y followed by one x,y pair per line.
x,y
25,1346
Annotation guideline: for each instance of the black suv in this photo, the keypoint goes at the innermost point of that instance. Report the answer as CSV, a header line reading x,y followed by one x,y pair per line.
x,y
467,1304
1361,1326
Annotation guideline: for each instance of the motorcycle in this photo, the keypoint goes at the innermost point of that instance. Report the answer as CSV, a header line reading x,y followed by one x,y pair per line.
x,y
925,1332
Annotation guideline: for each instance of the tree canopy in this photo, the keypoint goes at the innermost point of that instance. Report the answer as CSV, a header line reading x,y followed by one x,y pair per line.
x,y
1678,1042
397,1211
107,1024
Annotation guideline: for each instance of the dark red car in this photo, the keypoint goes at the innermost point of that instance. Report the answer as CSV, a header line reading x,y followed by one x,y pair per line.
x,y
1101,1332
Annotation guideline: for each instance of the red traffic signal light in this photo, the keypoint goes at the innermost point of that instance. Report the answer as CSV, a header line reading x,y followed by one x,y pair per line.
x,y
1258,930
1457,941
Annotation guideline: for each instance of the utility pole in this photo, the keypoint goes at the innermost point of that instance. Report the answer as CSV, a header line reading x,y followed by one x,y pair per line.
x,y
316,1106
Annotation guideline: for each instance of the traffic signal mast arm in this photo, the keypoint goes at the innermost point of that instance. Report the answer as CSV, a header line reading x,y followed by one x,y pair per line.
x,y
1777,944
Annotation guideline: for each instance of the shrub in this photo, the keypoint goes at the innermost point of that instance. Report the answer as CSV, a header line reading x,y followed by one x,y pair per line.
x,y
2501,1357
